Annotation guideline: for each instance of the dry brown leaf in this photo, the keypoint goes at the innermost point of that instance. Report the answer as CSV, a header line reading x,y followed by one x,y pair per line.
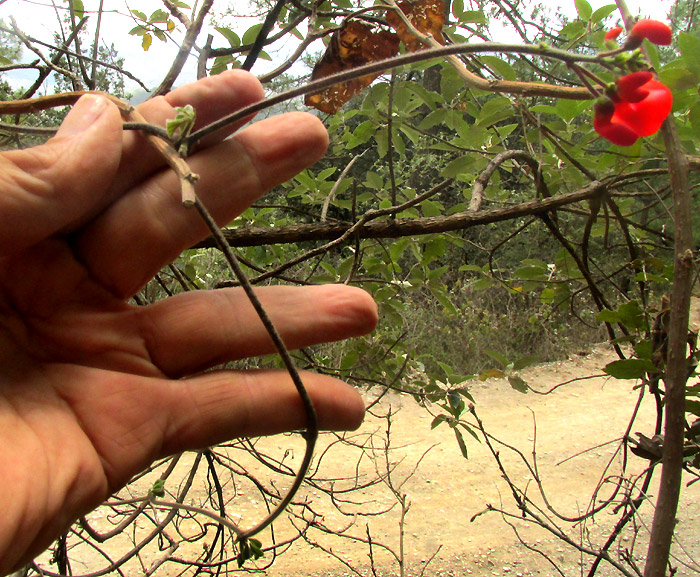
x,y
428,17
353,45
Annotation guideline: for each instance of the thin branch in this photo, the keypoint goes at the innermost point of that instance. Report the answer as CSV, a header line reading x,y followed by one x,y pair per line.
x,y
185,48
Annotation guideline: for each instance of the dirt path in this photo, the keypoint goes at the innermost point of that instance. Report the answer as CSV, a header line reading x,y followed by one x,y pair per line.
x,y
447,490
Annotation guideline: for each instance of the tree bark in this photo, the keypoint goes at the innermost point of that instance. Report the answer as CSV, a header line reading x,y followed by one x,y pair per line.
x,y
664,523
386,228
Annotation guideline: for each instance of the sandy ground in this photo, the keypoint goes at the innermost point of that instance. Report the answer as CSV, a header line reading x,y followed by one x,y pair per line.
x,y
445,491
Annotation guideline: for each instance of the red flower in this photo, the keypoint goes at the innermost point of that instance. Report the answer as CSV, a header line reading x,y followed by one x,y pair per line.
x,y
653,30
613,33
638,108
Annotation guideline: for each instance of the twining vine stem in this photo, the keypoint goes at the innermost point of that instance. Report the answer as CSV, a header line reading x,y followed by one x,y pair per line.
x,y
311,434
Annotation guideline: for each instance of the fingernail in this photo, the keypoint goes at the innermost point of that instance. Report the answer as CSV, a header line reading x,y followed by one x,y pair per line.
x,y
83,115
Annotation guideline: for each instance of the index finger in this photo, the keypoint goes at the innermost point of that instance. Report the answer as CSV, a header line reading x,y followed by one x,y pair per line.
x,y
212,98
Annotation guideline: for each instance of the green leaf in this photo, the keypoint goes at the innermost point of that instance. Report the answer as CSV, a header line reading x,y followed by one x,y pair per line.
x,y
518,383
373,180
689,45
532,273
603,12
140,15
482,283
653,52
433,119
455,400
78,8
458,166
256,548
632,315
469,430
230,35
544,109
428,98
524,362
431,208
494,111
629,368
439,420
381,137
608,316
491,374
252,33
182,123
220,64
573,29
473,17
643,349
158,488
138,31
461,443
500,358
584,10
158,17
568,110
464,391
693,407
500,66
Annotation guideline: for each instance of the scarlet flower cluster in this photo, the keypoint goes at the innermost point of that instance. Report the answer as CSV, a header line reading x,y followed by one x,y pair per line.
x,y
638,104
637,108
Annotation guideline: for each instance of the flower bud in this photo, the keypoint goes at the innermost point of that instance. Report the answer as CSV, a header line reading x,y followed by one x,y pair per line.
x,y
653,30
613,33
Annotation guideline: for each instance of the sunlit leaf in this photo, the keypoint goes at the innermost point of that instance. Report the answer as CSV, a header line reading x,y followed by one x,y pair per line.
x,y
138,31
584,9
603,12
159,17
78,8
233,38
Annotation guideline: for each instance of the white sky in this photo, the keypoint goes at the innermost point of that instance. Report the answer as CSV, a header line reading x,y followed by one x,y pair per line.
x,y
38,17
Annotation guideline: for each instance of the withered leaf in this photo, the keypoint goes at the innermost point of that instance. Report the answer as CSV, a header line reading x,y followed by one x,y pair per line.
x,y
428,17
357,43
353,45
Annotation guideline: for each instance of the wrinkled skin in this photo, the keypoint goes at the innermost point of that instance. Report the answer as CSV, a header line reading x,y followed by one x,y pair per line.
x,y
93,389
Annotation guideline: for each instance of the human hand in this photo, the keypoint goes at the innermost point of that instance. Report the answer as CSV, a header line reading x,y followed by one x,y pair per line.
x,y
91,387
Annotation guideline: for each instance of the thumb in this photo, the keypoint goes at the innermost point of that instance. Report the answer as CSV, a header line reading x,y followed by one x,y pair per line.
x,y
48,187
